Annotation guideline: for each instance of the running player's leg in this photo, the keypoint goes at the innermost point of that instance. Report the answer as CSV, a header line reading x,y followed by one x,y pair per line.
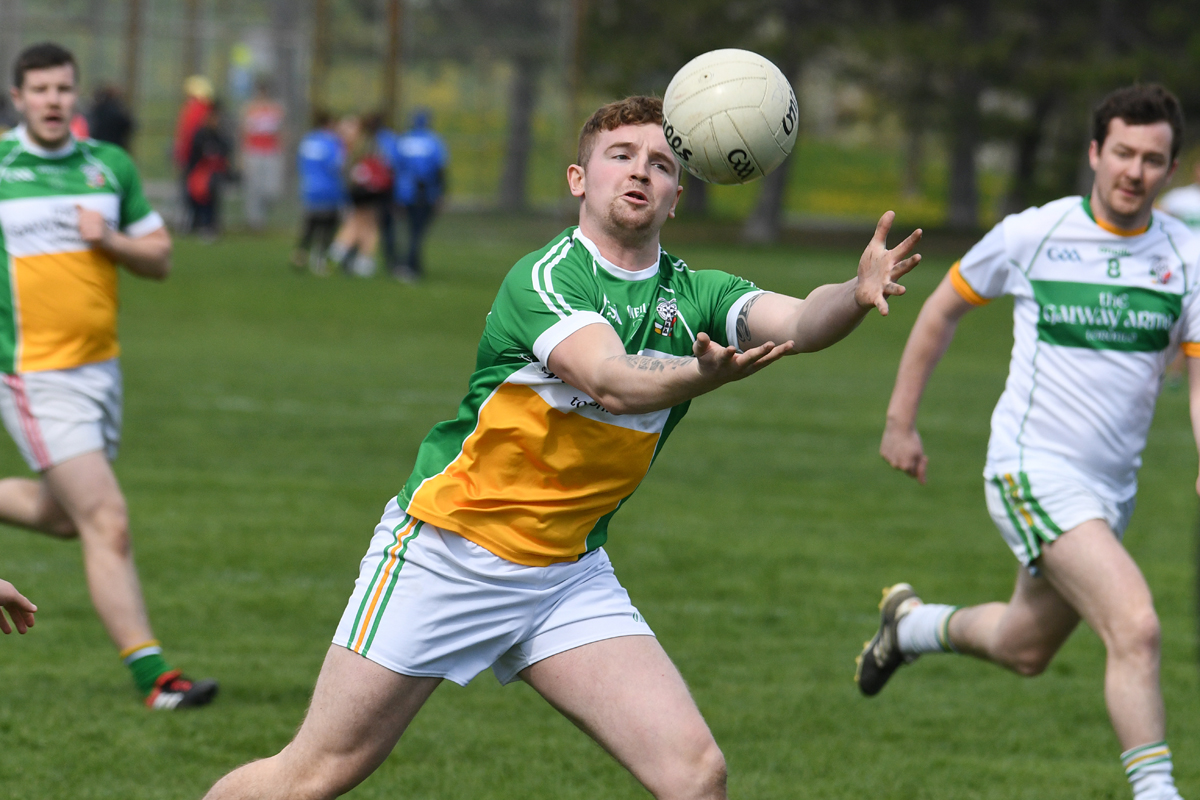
x,y
358,712
87,490
27,503
627,695
1023,634
1093,572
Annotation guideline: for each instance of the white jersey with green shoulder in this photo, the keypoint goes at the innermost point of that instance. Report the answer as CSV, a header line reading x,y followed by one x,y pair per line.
x,y
1097,315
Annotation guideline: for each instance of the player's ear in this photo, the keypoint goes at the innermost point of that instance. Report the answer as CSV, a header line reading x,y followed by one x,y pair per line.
x,y
678,192
576,179
1094,154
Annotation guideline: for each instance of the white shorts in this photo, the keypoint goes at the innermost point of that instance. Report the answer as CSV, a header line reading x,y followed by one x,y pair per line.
x,y
59,414
1033,509
430,603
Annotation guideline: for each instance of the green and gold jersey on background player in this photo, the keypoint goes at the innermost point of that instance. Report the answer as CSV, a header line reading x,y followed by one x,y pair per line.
x,y
1098,314
532,469
58,302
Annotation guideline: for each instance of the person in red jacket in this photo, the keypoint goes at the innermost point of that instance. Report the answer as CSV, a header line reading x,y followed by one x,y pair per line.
x,y
199,99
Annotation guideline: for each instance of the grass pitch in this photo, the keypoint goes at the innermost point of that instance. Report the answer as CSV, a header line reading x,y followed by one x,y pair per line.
x,y
270,416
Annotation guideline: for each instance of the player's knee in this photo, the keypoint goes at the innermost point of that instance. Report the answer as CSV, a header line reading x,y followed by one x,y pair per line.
x,y
1139,634
109,523
1029,659
700,773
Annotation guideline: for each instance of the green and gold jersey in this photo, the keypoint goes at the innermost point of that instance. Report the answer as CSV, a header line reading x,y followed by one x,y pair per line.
x,y
58,302
533,469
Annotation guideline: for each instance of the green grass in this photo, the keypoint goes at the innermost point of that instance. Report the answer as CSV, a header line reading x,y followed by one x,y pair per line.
x,y
270,417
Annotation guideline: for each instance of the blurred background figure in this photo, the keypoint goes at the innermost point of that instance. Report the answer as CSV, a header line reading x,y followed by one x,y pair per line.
x,y
198,99
1184,202
320,159
419,161
109,118
262,154
207,168
369,183
79,126
385,145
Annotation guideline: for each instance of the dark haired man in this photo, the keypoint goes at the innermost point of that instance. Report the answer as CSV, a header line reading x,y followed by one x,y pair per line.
x,y
1104,294
491,555
70,211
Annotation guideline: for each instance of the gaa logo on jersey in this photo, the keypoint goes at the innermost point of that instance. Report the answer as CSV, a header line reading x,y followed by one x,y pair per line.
x,y
667,312
94,175
1160,268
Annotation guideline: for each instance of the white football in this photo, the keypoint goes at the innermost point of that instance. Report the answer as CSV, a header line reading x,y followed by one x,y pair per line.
x,y
730,116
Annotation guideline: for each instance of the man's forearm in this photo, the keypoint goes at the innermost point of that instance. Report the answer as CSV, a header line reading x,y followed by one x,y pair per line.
x,y
639,384
928,342
148,256
827,316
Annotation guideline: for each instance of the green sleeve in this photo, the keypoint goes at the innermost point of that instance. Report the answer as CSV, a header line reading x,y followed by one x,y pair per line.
x,y
545,297
134,206
716,293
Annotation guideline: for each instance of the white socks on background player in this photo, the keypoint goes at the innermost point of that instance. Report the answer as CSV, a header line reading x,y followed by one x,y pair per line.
x,y
926,629
1148,769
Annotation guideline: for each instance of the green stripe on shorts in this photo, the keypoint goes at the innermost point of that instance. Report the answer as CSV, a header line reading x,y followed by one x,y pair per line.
x,y
391,586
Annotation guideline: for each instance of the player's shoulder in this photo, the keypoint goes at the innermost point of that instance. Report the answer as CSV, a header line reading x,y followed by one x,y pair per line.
x,y
1184,239
1035,223
9,141
109,154
563,253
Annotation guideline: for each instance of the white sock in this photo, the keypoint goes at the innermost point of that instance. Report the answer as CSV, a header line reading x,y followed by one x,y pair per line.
x,y
926,629
364,266
1148,769
338,252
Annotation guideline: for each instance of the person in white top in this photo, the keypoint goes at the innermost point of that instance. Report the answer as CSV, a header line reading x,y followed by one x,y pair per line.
x,y
1104,294
1184,202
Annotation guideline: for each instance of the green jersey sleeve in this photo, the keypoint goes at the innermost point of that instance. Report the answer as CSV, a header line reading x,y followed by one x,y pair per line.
x,y
721,296
545,298
138,218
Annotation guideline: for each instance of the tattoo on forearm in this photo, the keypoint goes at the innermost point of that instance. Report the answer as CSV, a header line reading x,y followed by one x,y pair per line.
x,y
743,320
652,364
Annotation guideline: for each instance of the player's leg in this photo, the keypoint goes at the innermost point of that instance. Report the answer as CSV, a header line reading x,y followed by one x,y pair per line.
x,y
627,695
27,503
87,490
367,223
1091,569
358,712
1023,634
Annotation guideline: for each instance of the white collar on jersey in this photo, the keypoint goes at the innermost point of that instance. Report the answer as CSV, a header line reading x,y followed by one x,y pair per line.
x,y
27,143
613,269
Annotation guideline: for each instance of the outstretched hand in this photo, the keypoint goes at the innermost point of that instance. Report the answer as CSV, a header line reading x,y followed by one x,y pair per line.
x,y
721,365
17,606
880,268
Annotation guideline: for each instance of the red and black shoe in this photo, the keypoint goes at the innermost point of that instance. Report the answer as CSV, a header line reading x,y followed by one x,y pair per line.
x,y
173,690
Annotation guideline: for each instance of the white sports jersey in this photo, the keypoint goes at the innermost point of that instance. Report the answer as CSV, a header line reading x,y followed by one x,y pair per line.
x,y
1183,203
1098,313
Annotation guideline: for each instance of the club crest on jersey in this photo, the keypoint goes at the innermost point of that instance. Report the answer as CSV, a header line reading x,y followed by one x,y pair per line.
x,y
94,175
1160,268
667,311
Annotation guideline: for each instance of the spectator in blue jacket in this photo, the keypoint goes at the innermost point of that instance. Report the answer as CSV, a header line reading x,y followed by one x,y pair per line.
x,y
320,160
419,182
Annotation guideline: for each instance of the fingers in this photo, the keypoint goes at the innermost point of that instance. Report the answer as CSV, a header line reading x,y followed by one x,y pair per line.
x,y
904,248
921,466
4,626
905,266
883,228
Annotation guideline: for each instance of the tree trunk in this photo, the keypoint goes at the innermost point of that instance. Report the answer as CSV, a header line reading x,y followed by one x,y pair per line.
x,y
694,203
1021,194
522,98
765,223
288,90
766,220
963,212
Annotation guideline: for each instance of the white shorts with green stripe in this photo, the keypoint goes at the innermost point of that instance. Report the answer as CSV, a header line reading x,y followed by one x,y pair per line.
x,y
430,603
1034,508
